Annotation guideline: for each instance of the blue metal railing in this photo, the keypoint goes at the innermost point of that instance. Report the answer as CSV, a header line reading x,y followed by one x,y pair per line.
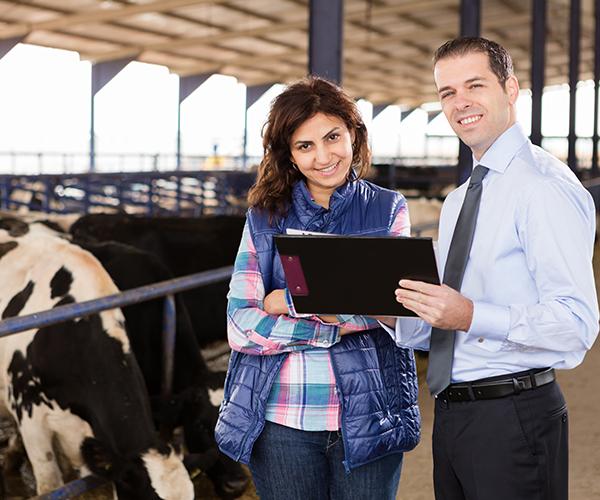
x,y
133,296
165,192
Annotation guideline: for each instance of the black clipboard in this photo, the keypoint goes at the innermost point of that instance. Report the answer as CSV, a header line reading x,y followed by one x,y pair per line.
x,y
353,274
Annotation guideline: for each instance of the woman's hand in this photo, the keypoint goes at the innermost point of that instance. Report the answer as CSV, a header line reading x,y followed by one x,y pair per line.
x,y
328,318
274,303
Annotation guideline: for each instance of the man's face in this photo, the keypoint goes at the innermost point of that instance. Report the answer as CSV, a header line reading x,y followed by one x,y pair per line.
x,y
477,106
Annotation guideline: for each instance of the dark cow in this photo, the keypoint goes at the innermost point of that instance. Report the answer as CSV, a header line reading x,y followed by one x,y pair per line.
x,y
77,383
185,246
189,406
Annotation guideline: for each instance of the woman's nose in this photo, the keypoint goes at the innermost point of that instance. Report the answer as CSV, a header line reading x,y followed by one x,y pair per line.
x,y
323,155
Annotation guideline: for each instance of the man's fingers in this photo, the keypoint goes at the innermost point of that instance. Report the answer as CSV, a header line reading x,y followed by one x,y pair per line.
x,y
403,295
425,311
420,286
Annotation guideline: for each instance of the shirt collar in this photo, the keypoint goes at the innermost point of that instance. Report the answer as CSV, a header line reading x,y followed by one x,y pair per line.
x,y
503,150
340,198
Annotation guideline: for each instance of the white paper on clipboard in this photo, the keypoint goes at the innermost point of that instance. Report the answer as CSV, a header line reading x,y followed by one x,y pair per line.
x,y
303,232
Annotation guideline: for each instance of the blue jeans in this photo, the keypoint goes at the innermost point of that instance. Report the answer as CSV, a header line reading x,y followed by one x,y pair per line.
x,y
290,464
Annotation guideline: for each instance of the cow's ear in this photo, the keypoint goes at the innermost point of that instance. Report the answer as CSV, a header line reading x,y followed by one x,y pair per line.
x,y
99,459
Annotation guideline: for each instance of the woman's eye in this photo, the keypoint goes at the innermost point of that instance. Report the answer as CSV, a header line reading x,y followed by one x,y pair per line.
x,y
333,137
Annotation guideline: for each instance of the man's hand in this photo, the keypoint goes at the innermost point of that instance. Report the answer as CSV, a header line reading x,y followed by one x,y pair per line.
x,y
274,303
440,306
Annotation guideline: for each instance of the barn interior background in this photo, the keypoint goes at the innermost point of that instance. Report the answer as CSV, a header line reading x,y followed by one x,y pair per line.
x,y
154,108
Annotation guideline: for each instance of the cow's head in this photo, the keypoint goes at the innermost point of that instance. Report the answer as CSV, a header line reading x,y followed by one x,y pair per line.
x,y
155,474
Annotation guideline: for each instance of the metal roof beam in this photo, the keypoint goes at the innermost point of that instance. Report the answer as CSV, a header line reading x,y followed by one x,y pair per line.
x,y
7,45
98,16
263,30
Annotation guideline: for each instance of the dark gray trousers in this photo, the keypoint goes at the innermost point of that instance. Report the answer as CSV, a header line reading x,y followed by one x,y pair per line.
x,y
514,447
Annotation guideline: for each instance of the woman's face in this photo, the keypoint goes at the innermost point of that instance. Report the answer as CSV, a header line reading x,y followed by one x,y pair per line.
x,y
322,149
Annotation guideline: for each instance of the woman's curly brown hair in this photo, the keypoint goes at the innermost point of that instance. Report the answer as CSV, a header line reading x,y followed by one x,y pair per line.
x,y
290,109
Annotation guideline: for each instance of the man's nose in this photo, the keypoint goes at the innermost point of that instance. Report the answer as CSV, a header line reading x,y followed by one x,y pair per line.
x,y
462,102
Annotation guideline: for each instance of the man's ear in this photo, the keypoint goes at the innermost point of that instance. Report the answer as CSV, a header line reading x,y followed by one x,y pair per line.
x,y
512,88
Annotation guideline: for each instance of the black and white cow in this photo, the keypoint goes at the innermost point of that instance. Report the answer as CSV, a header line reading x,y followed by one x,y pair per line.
x,y
77,383
189,405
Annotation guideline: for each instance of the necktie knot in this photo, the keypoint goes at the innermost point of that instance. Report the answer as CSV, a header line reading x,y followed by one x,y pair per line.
x,y
479,172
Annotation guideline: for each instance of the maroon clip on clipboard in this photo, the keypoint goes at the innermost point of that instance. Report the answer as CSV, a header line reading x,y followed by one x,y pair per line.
x,y
294,274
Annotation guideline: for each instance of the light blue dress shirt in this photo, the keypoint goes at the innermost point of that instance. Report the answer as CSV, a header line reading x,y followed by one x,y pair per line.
x,y
529,272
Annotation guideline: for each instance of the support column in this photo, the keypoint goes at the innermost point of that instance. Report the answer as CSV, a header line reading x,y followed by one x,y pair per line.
x,y
538,67
102,73
574,44
596,84
253,94
325,42
470,25
187,85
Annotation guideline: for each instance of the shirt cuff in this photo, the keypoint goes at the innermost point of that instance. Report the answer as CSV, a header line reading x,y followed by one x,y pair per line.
x,y
327,335
489,326
390,330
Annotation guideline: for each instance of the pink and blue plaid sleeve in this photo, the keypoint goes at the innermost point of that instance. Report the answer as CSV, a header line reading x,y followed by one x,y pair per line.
x,y
253,331
401,224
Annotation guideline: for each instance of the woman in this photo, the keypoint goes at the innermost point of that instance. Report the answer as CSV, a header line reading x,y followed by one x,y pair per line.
x,y
318,407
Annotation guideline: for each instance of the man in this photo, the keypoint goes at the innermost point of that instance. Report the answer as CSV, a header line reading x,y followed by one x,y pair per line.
x,y
520,254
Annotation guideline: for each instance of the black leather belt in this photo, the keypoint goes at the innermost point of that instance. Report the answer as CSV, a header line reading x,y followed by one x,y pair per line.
x,y
470,391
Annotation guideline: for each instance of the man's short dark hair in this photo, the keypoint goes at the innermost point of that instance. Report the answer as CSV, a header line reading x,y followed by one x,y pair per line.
x,y
498,57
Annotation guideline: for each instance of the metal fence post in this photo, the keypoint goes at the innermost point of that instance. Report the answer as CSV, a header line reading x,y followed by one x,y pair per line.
x,y
168,345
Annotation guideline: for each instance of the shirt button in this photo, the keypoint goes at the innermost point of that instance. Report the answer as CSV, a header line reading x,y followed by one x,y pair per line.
x,y
480,340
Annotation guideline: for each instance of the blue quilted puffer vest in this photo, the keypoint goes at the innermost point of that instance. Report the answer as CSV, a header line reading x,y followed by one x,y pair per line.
x,y
382,418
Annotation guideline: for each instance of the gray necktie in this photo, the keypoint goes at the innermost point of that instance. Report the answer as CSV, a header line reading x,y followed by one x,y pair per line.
x,y
441,347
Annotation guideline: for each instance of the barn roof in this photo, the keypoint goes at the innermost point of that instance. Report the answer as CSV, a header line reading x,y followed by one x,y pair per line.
x,y
387,43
